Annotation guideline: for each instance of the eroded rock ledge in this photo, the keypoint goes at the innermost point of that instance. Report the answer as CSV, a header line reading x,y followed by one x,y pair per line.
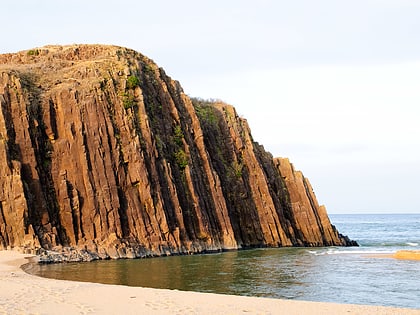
x,y
102,152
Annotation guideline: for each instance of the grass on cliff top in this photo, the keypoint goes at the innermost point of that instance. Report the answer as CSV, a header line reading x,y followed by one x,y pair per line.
x,y
205,109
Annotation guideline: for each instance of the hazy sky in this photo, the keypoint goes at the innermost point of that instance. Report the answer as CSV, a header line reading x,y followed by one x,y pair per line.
x,y
333,85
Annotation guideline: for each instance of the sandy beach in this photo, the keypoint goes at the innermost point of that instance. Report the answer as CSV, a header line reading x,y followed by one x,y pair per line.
x,y
21,293
401,254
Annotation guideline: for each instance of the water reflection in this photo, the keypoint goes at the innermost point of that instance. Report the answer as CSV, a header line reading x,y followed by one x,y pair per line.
x,y
292,273
260,272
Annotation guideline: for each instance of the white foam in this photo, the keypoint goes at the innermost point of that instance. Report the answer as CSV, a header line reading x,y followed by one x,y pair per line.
x,y
412,244
350,252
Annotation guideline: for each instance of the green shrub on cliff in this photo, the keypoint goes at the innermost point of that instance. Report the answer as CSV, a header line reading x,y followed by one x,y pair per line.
x,y
205,110
181,159
237,168
129,100
178,135
33,52
132,82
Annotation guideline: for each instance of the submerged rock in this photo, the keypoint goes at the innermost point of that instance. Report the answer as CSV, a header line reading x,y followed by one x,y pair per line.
x,y
102,152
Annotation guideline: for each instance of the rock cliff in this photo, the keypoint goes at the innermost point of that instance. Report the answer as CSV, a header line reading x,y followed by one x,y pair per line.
x,y
102,152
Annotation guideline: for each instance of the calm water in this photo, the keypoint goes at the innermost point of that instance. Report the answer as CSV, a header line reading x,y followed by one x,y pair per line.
x,y
344,275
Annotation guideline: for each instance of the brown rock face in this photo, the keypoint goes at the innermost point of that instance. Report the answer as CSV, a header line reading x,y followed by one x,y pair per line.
x,y
100,150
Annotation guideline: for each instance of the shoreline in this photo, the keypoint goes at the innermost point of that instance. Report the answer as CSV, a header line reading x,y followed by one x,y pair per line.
x,y
27,294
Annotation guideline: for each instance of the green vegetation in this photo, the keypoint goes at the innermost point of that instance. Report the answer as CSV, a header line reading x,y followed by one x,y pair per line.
x,y
178,135
237,168
33,52
128,97
129,100
181,159
205,110
133,82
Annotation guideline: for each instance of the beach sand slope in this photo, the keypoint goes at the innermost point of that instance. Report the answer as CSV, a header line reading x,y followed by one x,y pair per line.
x,y
21,293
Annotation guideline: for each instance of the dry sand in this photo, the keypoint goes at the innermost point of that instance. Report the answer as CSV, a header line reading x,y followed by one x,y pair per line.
x,y
407,254
401,254
21,293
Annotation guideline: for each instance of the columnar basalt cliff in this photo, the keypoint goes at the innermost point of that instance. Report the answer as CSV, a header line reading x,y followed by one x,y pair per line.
x,y
102,152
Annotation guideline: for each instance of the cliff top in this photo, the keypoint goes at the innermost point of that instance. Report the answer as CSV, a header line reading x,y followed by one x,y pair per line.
x,y
75,64
71,53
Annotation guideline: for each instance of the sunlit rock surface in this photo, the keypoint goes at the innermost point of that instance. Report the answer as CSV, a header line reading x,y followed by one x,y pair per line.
x,y
103,153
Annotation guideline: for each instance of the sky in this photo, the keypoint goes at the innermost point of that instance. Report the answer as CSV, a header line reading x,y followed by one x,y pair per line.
x,y
332,85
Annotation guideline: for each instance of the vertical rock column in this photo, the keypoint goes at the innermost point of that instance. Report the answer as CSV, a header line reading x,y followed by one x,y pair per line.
x,y
310,219
15,224
271,227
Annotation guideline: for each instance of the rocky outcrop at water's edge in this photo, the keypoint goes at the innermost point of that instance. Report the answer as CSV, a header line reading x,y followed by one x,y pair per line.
x,y
102,155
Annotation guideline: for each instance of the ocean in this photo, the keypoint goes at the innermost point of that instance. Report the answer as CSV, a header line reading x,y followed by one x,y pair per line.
x,y
357,275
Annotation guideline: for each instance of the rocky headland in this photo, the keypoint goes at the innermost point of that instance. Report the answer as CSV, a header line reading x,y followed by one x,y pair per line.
x,y
102,155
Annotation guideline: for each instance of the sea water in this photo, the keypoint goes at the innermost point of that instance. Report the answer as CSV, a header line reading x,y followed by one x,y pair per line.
x,y
330,274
